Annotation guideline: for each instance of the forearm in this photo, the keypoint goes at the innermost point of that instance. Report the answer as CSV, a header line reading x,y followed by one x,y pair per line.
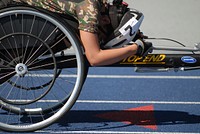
x,y
110,56
98,57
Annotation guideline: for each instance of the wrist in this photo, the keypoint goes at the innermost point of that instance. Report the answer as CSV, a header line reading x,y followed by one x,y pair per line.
x,y
133,48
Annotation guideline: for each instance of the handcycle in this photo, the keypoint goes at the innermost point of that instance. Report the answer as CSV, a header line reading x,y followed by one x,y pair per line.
x,y
40,82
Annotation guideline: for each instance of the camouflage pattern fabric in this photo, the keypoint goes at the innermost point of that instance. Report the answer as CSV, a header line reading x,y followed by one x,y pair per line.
x,y
85,11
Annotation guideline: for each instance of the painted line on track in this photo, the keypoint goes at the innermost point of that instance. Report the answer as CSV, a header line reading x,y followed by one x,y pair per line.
x,y
122,102
123,76
143,77
139,102
110,132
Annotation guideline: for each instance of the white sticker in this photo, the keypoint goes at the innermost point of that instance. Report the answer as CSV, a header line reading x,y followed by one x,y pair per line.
x,y
127,27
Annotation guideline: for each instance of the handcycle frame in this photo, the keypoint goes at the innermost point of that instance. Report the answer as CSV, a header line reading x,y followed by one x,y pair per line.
x,y
158,62
60,61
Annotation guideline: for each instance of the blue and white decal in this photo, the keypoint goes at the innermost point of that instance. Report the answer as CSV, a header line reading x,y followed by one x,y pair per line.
x,y
188,59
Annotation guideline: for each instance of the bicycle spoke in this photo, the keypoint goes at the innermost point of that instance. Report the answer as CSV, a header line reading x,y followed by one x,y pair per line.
x,y
8,74
33,90
29,59
48,64
9,44
9,54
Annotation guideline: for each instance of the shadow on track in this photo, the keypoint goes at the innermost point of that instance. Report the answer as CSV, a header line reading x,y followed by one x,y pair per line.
x,y
105,119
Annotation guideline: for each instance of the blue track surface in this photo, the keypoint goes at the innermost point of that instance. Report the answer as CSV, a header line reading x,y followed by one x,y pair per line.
x,y
151,102
120,101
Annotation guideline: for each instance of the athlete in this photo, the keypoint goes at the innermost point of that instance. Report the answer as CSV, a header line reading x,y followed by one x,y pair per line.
x,y
95,27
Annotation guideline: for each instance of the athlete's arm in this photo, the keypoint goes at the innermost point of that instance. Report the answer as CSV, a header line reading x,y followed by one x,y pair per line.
x,y
98,57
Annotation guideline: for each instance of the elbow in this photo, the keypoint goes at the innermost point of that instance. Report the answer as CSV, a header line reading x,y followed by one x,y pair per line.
x,y
95,59
94,62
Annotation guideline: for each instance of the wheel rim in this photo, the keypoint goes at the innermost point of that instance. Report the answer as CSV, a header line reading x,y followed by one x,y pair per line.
x,y
22,85
66,88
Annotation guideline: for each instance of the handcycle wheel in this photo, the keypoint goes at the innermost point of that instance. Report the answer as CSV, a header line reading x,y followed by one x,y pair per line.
x,y
37,84
19,69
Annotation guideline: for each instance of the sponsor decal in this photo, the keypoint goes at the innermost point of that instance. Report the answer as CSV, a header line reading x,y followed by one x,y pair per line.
x,y
128,27
188,59
149,59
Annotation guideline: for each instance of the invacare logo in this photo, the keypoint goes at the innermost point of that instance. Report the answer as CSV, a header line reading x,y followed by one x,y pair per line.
x,y
188,59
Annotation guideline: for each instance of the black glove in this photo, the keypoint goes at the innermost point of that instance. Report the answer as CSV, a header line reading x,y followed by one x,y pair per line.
x,y
143,48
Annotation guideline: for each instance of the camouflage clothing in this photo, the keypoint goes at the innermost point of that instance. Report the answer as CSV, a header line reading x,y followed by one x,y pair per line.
x,y
85,11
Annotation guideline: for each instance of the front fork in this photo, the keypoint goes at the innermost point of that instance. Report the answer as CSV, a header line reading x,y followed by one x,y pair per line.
x,y
151,62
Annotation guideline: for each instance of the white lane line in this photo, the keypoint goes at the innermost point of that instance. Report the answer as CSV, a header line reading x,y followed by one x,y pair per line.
x,y
139,102
121,102
143,77
110,132
123,76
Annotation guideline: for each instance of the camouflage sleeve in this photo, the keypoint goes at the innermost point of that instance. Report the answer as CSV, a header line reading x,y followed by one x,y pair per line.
x,y
85,11
59,6
88,15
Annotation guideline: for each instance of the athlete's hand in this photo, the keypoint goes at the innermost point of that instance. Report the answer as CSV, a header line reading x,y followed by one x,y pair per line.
x,y
143,48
